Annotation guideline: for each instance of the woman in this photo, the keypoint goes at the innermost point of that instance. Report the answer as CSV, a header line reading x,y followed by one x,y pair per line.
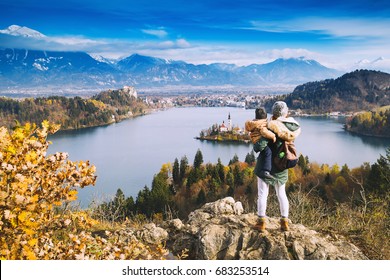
x,y
286,129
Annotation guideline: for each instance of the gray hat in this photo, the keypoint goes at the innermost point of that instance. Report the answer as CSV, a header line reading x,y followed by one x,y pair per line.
x,y
279,109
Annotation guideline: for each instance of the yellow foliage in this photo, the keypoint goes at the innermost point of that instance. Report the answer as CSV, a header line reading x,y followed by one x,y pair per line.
x,y
32,187
30,184
166,168
97,103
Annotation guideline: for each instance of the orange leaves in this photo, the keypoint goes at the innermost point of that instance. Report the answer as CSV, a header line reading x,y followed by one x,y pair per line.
x,y
19,199
33,187
31,183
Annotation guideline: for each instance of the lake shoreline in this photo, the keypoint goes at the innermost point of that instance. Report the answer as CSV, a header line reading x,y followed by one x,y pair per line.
x,y
133,116
127,155
215,139
358,133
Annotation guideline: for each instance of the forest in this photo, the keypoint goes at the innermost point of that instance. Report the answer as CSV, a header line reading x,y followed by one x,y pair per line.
x,y
352,92
351,202
71,113
371,123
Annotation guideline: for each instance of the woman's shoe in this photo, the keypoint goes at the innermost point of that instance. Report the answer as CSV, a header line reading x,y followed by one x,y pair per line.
x,y
260,226
284,224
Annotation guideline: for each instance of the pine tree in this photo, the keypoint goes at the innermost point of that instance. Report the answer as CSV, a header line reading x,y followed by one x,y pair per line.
x,y
250,158
198,159
201,199
221,170
379,177
230,179
183,168
234,159
192,178
176,172
238,176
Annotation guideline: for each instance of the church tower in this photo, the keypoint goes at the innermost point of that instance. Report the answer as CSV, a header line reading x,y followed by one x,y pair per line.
x,y
229,123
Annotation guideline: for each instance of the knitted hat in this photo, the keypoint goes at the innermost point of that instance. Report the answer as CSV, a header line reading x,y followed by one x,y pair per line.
x,y
279,109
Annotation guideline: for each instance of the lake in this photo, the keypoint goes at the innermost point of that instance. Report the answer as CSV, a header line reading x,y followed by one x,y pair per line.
x,y
129,153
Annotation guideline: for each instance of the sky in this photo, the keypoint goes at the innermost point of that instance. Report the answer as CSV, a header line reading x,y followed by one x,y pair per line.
x,y
338,33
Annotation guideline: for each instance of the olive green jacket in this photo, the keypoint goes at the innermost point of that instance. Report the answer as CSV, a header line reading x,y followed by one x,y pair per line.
x,y
280,177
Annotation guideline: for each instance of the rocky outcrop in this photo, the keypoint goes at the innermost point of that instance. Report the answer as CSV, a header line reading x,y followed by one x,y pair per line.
x,y
222,231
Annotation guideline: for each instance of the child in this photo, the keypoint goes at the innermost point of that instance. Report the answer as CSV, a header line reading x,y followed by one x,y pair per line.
x,y
258,131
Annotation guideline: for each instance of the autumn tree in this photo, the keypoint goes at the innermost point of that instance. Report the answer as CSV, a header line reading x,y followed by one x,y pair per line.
x,y
32,184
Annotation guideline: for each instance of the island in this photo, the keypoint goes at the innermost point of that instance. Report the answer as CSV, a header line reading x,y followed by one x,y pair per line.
x,y
225,133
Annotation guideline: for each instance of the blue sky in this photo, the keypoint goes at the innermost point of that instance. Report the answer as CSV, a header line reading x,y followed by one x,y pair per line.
x,y
336,33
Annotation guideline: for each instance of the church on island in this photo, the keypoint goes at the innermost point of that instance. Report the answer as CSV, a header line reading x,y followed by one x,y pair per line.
x,y
226,128
224,132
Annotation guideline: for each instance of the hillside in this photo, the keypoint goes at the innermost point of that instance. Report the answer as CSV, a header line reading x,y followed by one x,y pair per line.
x,y
352,92
73,113
371,123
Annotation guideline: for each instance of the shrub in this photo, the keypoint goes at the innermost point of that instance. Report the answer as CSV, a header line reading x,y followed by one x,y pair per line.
x,y
32,185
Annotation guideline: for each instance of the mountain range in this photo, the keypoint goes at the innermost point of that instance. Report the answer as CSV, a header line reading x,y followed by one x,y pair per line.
x,y
34,68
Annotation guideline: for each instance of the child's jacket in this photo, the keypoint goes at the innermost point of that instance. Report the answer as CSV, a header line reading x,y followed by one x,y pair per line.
x,y
258,129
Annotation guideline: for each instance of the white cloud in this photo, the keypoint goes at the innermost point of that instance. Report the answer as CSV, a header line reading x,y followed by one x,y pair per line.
x,y
287,53
169,44
335,27
73,41
160,33
344,58
181,43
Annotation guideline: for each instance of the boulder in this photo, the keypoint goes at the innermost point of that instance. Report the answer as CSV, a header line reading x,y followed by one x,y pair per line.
x,y
222,231
152,234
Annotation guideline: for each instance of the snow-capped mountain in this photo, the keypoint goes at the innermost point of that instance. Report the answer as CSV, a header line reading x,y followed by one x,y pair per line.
x,y
16,30
290,71
27,68
281,71
380,63
37,68
103,59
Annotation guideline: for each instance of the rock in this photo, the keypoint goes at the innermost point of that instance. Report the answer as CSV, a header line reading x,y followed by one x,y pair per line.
x,y
152,234
130,91
221,231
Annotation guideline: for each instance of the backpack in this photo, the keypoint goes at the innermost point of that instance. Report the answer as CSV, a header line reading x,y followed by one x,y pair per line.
x,y
284,156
